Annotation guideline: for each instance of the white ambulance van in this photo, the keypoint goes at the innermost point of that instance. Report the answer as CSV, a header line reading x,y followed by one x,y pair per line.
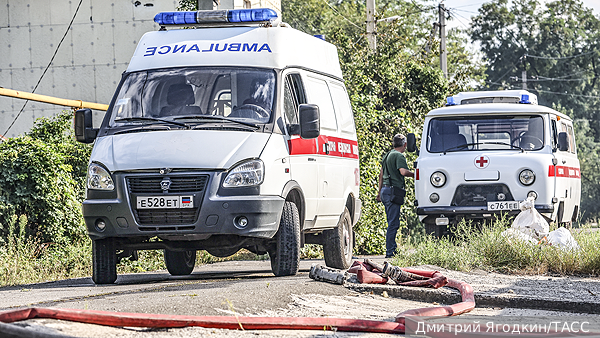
x,y
236,133
485,151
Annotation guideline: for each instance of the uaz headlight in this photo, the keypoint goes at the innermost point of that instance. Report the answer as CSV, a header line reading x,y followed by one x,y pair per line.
x,y
438,179
527,177
247,174
99,178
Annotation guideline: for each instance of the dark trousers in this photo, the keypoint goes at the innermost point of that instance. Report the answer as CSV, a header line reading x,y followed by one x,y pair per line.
x,y
392,213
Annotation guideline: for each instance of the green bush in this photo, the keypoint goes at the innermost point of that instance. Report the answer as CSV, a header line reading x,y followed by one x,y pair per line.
x,y
42,176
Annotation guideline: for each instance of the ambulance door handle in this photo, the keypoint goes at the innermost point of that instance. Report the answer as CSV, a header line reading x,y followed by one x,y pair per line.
x,y
311,159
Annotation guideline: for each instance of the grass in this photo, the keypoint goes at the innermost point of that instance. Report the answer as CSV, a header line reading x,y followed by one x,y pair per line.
x,y
25,260
484,247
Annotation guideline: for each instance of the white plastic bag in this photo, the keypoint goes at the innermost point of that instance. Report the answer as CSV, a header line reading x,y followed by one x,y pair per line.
x,y
529,221
562,238
517,235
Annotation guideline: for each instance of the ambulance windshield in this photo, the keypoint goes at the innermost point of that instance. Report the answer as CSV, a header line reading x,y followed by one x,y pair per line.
x,y
520,132
195,95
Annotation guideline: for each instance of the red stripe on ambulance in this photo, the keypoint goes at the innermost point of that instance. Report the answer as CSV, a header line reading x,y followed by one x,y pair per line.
x,y
564,171
324,145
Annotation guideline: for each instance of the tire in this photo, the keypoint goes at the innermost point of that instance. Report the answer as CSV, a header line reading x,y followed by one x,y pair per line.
x,y
104,261
339,243
285,251
180,263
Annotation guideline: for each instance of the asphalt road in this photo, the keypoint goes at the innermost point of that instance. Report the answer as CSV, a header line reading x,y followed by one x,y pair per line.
x,y
215,289
248,288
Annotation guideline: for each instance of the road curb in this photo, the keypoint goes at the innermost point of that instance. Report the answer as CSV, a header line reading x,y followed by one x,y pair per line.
x,y
449,296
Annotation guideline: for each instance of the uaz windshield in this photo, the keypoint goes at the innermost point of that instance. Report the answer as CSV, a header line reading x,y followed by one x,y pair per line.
x,y
521,132
185,94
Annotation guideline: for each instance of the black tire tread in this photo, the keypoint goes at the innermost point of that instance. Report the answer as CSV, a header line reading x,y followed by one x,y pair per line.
x,y
104,261
178,263
285,252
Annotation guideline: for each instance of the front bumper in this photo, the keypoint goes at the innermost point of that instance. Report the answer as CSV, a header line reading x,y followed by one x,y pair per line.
x,y
472,212
216,212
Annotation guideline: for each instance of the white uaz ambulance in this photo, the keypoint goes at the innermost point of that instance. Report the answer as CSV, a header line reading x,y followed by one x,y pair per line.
x,y
237,133
485,151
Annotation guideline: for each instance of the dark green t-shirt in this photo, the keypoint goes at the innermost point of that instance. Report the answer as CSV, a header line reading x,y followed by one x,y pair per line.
x,y
391,173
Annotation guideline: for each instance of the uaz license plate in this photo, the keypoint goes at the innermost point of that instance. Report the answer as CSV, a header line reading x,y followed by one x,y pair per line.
x,y
501,206
165,202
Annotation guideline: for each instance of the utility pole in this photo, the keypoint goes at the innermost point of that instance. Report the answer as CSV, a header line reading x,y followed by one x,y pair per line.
x,y
524,79
443,52
371,30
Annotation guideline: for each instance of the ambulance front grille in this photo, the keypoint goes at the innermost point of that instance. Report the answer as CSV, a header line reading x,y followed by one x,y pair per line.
x,y
480,194
179,184
166,219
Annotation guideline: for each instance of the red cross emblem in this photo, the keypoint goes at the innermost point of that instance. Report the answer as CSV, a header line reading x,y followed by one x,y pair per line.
x,y
482,161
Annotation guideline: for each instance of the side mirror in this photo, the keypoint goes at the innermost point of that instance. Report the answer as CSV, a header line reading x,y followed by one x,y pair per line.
x,y
84,132
294,129
310,126
411,143
563,141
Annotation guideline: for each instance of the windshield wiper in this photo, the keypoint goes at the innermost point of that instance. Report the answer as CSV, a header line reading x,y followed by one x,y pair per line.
x,y
141,118
216,117
460,146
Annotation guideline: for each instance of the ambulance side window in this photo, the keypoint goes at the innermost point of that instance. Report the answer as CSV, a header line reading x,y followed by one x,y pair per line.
x,y
342,107
318,92
571,135
293,96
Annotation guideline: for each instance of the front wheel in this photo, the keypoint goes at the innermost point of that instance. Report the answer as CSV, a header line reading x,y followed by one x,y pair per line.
x,y
104,261
180,263
285,251
339,243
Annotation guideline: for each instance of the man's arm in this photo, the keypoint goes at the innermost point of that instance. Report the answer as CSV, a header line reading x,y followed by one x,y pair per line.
x,y
406,172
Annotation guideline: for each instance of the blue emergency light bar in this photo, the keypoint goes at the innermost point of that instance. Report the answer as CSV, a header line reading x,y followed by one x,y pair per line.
x,y
218,16
450,101
525,99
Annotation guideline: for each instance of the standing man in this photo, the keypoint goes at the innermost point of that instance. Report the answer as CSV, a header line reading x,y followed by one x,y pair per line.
x,y
393,170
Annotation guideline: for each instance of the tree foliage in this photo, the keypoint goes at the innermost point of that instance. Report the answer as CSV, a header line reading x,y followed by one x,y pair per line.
x,y
42,176
391,89
558,44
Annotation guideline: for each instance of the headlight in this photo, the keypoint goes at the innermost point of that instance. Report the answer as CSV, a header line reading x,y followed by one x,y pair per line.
x,y
245,175
438,179
98,178
527,177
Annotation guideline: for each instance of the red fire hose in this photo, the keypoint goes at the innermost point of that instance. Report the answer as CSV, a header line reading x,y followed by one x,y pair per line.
x,y
215,322
466,292
251,323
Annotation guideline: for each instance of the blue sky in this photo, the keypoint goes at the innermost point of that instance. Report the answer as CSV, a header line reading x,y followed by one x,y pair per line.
x,y
464,9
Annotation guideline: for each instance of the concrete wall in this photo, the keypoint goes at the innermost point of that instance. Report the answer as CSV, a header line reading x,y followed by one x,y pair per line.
x,y
88,64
